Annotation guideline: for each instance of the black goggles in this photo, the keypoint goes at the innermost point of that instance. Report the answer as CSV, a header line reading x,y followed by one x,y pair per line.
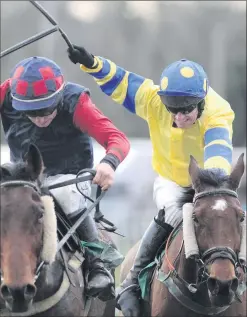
x,y
183,110
41,112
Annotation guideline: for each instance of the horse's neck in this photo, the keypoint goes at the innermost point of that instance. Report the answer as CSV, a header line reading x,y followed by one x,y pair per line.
x,y
49,279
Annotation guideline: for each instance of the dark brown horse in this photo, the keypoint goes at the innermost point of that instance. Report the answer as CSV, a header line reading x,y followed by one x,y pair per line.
x,y
28,238
203,272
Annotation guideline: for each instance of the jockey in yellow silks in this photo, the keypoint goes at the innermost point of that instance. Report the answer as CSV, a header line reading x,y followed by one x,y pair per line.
x,y
185,117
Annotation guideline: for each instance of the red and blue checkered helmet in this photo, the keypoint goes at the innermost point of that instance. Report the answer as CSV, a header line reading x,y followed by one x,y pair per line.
x,y
36,83
183,78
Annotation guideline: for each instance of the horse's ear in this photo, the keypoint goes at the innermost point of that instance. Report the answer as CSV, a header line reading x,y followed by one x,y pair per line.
x,y
237,172
193,171
34,162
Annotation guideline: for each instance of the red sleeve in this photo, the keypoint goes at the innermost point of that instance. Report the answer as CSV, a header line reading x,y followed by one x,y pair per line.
x,y
90,119
4,89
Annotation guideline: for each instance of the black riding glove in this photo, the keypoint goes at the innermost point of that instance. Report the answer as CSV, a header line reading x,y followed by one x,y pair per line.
x,y
80,55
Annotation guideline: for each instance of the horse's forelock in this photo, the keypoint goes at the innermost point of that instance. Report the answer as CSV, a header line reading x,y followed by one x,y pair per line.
x,y
213,177
19,171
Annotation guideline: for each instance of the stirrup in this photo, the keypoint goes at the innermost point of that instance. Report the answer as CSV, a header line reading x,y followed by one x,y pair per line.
x,y
102,270
126,289
104,294
132,286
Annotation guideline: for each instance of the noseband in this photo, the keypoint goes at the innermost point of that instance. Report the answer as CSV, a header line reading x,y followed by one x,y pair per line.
x,y
20,183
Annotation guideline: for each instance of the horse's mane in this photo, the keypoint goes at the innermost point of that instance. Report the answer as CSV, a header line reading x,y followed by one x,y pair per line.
x,y
187,196
207,177
15,171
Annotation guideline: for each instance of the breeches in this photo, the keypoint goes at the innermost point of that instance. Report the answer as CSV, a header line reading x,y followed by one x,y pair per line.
x,y
166,194
69,197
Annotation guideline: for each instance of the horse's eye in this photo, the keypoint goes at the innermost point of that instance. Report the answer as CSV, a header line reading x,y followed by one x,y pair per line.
x,y
242,217
40,216
195,218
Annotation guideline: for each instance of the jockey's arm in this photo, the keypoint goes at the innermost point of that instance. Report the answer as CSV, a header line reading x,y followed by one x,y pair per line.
x,y
218,139
91,120
132,91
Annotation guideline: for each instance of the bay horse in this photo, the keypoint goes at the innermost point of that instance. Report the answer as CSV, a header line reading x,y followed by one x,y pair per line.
x,y
203,268
28,238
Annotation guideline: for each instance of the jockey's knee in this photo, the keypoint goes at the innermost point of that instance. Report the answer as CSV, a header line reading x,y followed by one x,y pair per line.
x,y
169,215
68,197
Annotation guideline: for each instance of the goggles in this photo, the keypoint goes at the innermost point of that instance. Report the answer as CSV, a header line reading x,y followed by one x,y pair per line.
x,y
45,111
183,110
41,112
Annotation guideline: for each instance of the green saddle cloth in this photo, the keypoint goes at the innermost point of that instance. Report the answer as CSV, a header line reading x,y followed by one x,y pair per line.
x,y
111,257
145,277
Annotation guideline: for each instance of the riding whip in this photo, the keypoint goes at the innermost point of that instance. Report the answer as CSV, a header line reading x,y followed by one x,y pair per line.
x,y
40,35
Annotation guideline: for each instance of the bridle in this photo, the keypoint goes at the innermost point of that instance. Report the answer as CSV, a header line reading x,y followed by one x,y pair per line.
x,y
214,253
95,204
210,255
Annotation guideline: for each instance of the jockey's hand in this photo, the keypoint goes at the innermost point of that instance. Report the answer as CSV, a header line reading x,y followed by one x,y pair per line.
x,y
104,176
79,55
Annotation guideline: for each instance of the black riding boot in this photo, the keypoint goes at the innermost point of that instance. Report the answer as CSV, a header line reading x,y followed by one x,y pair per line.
x,y
129,291
100,281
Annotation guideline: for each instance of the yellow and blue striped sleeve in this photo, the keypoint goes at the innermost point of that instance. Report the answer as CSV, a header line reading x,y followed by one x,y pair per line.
x,y
132,91
218,141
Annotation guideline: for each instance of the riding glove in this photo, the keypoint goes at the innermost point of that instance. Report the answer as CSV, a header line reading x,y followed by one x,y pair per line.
x,y
79,55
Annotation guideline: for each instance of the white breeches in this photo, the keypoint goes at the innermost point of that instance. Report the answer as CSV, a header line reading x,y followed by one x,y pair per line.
x,y
165,195
69,197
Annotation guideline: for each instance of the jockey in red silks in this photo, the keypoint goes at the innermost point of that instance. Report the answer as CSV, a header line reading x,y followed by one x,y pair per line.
x,y
60,118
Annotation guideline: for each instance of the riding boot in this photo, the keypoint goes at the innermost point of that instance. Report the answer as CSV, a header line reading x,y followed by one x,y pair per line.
x,y
128,298
100,281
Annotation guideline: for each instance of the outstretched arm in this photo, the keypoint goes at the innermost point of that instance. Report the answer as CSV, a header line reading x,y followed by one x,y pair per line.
x,y
132,91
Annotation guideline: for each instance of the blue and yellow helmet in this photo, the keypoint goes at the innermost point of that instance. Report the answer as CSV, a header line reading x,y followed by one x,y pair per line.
x,y
184,78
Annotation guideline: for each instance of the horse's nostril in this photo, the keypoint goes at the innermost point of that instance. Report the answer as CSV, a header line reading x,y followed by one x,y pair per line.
x,y
234,284
29,291
5,292
213,285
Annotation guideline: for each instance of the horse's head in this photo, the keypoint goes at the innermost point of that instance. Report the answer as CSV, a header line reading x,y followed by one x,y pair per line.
x,y
23,214
218,225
